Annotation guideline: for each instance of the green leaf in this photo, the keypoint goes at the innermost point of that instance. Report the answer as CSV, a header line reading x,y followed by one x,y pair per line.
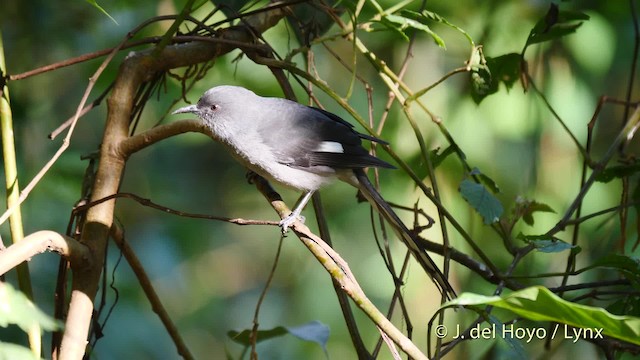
x,y
480,75
627,265
537,303
14,351
436,17
19,310
551,246
503,69
400,24
438,157
95,4
556,24
515,350
525,208
492,185
244,337
617,172
477,195
545,243
313,331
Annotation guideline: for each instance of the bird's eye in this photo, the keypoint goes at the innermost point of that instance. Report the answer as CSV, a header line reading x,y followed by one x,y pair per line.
x,y
214,107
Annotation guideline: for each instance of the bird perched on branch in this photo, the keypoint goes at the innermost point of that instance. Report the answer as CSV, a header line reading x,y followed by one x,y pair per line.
x,y
303,148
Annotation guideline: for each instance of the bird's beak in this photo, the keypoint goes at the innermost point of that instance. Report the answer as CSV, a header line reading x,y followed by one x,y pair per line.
x,y
187,109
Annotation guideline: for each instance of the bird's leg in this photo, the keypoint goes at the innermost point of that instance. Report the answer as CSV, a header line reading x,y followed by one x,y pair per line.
x,y
295,214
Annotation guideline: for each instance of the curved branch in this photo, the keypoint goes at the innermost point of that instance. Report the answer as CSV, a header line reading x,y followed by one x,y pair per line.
x,y
140,141
40,242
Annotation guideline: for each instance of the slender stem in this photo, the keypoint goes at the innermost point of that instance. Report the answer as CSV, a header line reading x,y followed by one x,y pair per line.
x,y
13,196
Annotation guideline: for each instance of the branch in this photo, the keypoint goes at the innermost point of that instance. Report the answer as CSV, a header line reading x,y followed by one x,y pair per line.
x,y
117,234
134,71
38,243
339,270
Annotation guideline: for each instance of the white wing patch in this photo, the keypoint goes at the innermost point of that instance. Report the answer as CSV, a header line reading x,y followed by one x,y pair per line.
x,y
331,147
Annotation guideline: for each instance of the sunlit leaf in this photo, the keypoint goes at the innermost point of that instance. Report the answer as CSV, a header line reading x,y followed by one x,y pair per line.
x,y
436,17
19,310
16,352
401,23
537,303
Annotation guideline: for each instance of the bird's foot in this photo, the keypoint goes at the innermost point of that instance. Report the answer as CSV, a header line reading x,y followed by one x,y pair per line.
x,y
289,220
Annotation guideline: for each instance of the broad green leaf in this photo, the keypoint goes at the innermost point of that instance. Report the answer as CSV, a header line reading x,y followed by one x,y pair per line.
x,y
477,195
515,348
537,303
95,4
313,331
17,309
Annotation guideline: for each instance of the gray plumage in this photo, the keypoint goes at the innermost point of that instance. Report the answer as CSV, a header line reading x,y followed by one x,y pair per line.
x,y
300,147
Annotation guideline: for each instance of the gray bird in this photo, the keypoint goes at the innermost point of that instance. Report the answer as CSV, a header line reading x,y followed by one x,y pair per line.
x,y
303,148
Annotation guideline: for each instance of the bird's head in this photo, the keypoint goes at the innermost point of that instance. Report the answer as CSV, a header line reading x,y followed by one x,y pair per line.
x,y
219,102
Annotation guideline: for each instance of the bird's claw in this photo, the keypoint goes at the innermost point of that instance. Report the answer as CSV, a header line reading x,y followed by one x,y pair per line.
x,y
289,220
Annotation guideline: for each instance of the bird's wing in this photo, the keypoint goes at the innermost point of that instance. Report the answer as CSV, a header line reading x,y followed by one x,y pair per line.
x,y
317,138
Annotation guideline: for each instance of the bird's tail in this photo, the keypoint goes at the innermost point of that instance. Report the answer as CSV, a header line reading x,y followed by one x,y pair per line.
x,y
410,239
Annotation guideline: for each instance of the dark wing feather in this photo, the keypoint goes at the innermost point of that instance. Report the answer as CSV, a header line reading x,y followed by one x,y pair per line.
x,y
320,127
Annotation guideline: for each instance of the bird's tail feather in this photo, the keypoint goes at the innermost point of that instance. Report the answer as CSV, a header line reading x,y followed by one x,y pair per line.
x,y
403,232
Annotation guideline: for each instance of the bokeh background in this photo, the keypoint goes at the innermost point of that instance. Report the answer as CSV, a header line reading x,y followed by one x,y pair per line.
x,y
210,274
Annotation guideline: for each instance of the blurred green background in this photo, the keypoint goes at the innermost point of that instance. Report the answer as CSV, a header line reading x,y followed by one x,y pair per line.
x,y
210,274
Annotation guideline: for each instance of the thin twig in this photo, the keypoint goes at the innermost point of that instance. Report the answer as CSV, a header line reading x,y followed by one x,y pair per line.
x,y
151,204
117,234
67,140
254,331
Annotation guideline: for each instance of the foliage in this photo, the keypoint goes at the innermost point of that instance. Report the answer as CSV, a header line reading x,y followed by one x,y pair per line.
x,y
539,304
17,310
547,231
